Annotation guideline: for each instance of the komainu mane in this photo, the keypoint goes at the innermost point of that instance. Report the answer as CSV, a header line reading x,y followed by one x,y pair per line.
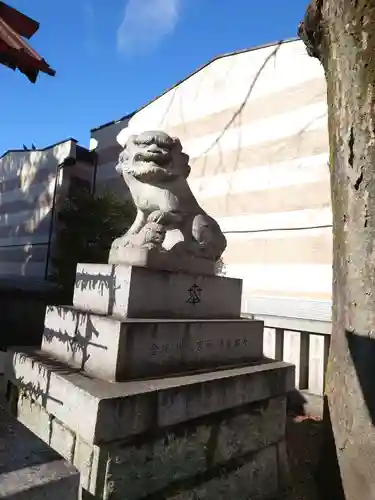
x,y
169,218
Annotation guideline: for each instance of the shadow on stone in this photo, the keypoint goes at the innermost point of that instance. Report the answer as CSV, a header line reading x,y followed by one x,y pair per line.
x,y
362,352
328,476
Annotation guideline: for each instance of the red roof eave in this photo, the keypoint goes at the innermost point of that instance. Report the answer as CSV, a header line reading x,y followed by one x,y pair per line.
x,y
15,52
20,23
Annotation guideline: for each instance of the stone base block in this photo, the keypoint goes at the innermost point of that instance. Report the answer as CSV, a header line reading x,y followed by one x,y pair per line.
x,y
116,350
253,479
231,454
101,412
162,261
31,470
138,292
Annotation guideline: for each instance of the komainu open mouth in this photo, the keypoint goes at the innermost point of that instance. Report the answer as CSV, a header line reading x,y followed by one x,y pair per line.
x,y
158,157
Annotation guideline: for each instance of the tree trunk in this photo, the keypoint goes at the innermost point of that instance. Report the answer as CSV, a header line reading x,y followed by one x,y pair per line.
x,y
341,34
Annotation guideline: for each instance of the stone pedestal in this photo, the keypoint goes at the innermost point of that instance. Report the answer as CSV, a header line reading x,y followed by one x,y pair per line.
x,y
154,259
152,384
139,292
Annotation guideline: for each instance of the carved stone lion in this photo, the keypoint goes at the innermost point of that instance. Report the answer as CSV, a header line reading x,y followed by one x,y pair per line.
x,y
169,218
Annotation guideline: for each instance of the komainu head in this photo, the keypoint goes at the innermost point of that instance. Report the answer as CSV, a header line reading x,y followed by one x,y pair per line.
x,y
153,157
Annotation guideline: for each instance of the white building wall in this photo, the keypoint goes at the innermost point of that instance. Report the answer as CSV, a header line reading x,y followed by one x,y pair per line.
x,y
255,127
27,186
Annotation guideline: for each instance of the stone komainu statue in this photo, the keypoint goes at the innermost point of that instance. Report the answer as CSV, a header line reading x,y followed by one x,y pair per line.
x,y
169,218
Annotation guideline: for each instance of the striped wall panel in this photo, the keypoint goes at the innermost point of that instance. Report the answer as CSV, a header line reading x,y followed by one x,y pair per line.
x,y
255,127
27,185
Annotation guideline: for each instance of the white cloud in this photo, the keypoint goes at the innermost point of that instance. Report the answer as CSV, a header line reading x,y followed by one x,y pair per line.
x,y
89,27
145,23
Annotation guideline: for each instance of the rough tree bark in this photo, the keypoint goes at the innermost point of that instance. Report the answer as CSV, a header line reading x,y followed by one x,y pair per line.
x,y
341,34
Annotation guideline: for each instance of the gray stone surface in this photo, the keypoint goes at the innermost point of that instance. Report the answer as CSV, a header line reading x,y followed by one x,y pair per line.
x,y
256,479
166,261
100,411
169,221
137,292
31,470
285,477
52,480
139,469
117,350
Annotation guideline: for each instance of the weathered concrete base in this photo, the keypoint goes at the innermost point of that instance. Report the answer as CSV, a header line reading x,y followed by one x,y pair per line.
x,y
117,350
138,292
231,454
253,479
101,411
31,470
165,436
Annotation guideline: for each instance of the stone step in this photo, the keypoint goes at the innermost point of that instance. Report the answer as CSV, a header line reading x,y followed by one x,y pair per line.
x,y
118,350
29,468
138,292
102,412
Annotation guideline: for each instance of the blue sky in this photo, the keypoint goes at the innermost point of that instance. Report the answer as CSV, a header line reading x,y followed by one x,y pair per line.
x,y
112,56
